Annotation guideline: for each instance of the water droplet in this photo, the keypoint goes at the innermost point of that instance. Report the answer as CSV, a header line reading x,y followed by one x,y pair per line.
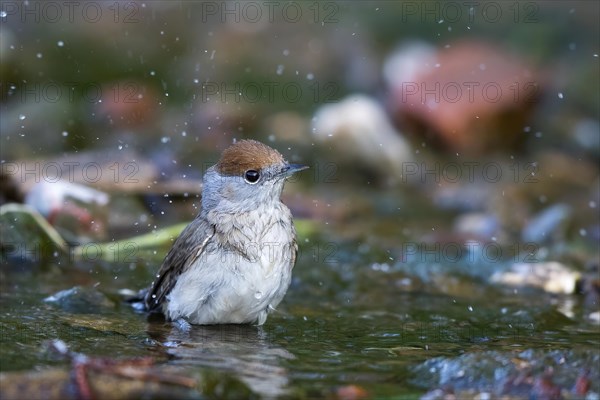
x,y
258,295
280,69
165,139
3,14
470,308
592,204
560,95
310,76
60,43
22,117
65,133
286,52
39,55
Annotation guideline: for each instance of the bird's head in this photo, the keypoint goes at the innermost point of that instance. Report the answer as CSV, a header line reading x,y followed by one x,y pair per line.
x,y
248,175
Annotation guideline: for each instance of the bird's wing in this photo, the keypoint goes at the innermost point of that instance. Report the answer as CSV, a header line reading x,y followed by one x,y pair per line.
x,y
190,245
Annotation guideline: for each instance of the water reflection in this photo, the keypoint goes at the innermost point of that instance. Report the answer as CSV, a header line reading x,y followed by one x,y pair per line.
x,y
244,350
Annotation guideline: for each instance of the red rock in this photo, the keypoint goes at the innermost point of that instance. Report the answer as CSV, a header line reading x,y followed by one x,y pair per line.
x,y
470,97
351,392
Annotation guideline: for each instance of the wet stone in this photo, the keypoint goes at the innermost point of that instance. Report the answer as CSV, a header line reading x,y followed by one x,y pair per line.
x,y
80,300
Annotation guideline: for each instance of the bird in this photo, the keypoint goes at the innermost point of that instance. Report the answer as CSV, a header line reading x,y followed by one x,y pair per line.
x,y
233,263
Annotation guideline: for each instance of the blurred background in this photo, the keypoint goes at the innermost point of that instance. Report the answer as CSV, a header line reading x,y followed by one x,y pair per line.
x,y
449,143
373,94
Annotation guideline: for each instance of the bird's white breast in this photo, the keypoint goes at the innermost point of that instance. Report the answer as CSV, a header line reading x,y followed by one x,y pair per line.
x,y
239,276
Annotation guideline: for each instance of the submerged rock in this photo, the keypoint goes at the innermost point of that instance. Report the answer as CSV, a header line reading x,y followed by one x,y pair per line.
x,y
533,374
58,384
80,300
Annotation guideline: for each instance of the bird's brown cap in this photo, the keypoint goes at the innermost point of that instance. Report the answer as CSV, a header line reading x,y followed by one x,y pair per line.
x,y
247,154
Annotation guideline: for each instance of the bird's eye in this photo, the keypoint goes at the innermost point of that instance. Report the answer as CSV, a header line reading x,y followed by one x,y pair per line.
x,y
251,176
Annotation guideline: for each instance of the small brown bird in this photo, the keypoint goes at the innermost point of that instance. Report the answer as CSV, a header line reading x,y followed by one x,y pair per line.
x,y
233,263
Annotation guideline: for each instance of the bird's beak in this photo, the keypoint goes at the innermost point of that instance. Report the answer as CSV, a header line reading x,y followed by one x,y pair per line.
x,y
291,169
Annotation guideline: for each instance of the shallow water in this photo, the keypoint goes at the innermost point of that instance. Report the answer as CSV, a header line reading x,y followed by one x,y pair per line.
x,y
362,310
